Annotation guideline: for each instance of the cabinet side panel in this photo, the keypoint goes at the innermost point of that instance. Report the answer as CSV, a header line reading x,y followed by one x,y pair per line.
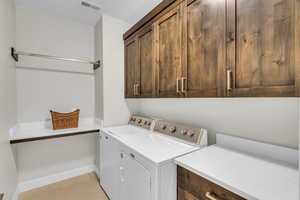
x,y
167,182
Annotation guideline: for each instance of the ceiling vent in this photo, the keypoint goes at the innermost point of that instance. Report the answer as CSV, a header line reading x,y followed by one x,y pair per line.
x,y
90,5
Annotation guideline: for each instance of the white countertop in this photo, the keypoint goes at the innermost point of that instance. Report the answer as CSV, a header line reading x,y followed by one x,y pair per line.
x,y
155,147
40,129
245,175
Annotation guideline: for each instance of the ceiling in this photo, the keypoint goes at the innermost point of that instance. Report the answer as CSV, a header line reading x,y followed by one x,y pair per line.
x,y
127,10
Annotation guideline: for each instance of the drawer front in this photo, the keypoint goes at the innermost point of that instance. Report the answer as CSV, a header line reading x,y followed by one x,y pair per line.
x,y
194,187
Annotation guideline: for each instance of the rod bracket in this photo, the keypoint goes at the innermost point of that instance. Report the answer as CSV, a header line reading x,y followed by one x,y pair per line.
x,y
97,65
14,55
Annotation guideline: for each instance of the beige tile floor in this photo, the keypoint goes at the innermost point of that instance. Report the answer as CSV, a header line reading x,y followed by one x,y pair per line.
x,y
85,187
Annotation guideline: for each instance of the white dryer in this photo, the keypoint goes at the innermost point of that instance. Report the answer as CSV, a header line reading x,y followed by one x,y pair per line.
x,y
137,160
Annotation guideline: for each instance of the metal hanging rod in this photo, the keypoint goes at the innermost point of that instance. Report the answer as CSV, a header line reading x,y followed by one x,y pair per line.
x,y
15,54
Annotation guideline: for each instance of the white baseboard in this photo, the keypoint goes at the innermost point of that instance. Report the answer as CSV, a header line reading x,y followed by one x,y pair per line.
x,y
98,172
16,194
40,182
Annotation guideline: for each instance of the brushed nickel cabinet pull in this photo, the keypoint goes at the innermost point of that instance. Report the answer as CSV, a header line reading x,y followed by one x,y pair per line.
x,y
229,75
210,196
183,84
137,89
177,85
134,90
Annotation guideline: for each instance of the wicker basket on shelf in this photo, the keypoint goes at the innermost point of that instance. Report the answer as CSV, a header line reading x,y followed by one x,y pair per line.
x,y
65,120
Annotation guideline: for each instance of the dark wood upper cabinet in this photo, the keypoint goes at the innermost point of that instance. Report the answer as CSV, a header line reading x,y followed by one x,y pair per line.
x,y
146,73
215,48
131,65
204,48
168,34
140,64
261,48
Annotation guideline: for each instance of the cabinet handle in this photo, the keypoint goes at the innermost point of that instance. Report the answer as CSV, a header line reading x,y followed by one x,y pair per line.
x,y
210,196
183,84
134,90
137,89
229,75
122,174
132,155
177,85
231,37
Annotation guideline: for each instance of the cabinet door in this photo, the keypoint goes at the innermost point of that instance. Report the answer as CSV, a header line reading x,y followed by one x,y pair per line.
x,y
261,48
109,162
145,73
135,180
168,34
204,48
131,65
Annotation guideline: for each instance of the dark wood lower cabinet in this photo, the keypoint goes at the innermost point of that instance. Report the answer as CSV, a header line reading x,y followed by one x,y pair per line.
x,y
194,187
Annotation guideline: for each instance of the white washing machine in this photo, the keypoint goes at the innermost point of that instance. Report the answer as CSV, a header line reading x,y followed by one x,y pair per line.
x,y
137,160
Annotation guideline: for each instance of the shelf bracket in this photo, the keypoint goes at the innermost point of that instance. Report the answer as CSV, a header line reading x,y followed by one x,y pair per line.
x,y
14,54
97,65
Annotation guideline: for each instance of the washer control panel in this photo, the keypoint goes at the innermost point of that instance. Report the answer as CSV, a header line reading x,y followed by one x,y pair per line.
x,y
184,132
143,122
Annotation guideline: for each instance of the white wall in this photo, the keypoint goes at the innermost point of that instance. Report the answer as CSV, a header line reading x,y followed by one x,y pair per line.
x,y
48,88
43,34
271,120
99,71
47,157
45,84
39,91
116,109
8,174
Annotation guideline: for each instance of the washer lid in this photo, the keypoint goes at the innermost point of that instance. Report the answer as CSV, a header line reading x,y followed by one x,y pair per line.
x,y
155,147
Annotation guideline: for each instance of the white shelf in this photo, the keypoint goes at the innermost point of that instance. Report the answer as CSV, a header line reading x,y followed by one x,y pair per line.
x,y
26,132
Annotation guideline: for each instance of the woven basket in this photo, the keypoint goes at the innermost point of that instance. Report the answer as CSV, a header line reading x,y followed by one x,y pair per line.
x,y
65,120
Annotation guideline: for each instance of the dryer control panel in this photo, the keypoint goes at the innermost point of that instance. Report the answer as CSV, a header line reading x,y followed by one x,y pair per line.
x,y
183,132
143,122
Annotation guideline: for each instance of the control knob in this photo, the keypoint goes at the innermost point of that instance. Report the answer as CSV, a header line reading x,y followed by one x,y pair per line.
x,y
191,133
172,129
183,132
162,126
